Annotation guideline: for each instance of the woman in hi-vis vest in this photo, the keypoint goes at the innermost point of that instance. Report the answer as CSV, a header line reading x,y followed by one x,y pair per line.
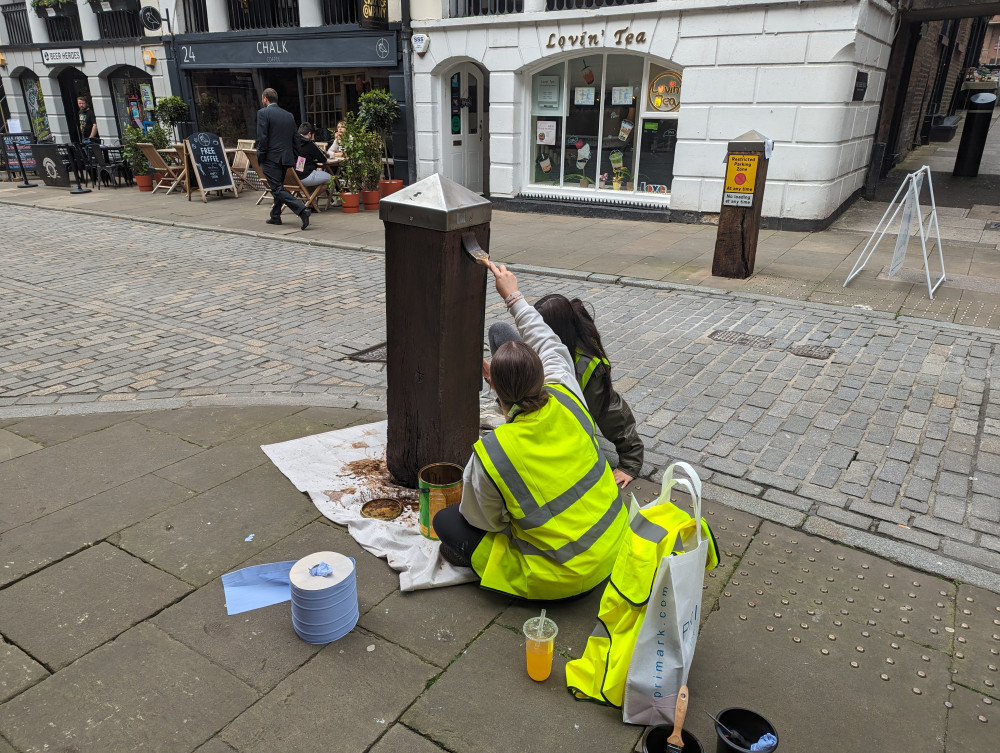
x,y
541,516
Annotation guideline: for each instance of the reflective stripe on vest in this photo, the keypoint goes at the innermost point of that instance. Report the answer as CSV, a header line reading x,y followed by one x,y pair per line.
x,y
538,515
585,367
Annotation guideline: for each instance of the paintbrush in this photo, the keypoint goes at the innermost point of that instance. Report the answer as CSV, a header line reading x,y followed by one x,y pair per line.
x,y
674,742
471,246
732,734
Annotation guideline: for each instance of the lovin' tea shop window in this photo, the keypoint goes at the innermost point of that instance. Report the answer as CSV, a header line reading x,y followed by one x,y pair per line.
x,y
604,122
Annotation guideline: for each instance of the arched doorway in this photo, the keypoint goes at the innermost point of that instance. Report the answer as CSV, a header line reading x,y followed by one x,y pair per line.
x,y
132,96
73,84
465,132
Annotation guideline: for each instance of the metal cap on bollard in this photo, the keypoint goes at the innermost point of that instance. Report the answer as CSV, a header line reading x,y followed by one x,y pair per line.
x,y
435,203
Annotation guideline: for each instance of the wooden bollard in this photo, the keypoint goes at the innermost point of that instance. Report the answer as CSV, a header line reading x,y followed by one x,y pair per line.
x,y
435,313
742,197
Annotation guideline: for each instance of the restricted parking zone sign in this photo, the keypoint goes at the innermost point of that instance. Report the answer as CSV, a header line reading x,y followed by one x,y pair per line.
x,y
741,177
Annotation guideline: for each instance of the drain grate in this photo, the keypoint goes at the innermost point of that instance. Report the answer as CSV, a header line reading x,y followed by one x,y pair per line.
x,y
374,354
811,351
741,338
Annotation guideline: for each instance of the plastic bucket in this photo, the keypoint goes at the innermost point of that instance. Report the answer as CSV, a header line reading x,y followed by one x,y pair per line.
x,y
748,723
654,740
440,486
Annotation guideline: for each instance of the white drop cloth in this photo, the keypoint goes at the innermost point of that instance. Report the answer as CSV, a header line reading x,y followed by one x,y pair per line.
x,y
318,465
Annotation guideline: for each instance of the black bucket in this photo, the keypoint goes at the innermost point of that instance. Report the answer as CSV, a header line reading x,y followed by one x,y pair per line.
x,y
654,740
748,723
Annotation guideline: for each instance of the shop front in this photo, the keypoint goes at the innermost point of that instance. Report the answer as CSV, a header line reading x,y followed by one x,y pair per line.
x,y
634,106
318,74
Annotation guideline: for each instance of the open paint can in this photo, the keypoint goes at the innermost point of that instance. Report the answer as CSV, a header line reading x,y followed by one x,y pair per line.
x,y
439,486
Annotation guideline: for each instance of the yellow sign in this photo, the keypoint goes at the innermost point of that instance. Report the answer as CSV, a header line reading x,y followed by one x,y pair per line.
x,y
741,173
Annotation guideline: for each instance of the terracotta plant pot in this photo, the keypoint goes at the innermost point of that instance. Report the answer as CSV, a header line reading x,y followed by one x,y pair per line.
x,y
389,187
145,182
349,203
370,199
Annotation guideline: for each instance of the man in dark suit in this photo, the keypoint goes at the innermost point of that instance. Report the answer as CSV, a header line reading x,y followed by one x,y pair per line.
x,y
276,131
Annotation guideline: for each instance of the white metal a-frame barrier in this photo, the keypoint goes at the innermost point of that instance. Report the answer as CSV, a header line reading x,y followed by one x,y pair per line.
x,y
910,206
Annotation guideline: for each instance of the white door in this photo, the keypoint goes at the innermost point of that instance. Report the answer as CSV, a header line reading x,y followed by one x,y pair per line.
x,y
463,127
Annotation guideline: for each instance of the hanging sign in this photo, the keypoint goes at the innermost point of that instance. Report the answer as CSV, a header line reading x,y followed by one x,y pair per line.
x,y
665,92
741,177
373,14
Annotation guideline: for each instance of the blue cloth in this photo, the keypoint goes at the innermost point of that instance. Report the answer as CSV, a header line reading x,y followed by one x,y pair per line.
x,y
766,742
256,587
322,569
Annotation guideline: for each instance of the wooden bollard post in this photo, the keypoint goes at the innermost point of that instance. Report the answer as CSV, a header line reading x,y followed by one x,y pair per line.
x,y
435,313
742,197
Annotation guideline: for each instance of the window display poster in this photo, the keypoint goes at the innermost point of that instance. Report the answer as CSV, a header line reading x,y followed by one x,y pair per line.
x,y
583,95
546,132
14,125
36,108
621,95
548,90
147,96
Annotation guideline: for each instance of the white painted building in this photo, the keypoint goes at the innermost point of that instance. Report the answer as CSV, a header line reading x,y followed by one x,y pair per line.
x,y
542,104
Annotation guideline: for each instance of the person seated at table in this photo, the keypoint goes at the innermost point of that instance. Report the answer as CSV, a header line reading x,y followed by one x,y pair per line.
x,y
335,150
541,516
306,148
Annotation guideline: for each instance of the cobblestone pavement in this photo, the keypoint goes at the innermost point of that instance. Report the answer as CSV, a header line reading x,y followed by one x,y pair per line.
x,y
878,432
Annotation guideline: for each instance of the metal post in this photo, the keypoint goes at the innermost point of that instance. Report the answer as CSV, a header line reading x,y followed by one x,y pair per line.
x,y
742,200
76,150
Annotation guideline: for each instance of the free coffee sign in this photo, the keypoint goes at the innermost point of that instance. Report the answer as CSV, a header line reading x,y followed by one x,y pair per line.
x,y
741,178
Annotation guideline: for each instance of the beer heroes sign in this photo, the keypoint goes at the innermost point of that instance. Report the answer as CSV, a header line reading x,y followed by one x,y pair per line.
x,y
373,14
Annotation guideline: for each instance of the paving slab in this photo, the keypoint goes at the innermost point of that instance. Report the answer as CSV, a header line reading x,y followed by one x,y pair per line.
x,y
51,430
402,738
141,692
18,671
213,426
260,646
32,546
74,606
977,641
437,624
972,719
817,677
12,446
462,712
207,536
215,745
346,693
41,483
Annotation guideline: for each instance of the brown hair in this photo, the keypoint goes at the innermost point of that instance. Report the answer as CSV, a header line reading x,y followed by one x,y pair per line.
x,y
518,377
271,95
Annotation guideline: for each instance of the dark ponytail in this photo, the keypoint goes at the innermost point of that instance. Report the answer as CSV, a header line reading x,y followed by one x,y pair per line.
x,y
573,323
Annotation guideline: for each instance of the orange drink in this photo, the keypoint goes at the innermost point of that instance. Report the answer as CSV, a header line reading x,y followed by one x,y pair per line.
x,y
540,635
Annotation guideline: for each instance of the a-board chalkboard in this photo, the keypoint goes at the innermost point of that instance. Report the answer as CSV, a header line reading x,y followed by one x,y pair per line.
x,y
19,142
208,164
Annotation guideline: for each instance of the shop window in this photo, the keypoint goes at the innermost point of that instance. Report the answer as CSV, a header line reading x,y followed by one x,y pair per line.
x,y
331,94
226,103
133,97
604,122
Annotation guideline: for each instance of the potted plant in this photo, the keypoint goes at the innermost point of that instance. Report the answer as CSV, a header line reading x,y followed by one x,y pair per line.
x,y
137,162
584,180
349,169
55,7
620,177
378,110
170,111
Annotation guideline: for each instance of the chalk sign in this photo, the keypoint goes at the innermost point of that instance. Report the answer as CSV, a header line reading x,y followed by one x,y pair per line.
x,y
207,163
19,143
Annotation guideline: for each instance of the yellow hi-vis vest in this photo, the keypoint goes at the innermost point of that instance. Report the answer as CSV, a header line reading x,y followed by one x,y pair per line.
x,y
567,516
585,367
600,674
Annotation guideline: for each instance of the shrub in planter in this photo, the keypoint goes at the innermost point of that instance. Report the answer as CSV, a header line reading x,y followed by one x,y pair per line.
x,y
170,111
378,110
132,137
57,7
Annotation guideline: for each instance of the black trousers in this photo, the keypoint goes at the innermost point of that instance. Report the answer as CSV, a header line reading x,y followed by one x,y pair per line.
x,y
275,175
458,539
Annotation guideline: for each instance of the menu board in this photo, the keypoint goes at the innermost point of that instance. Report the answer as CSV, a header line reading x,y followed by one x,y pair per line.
x,y
19,143
207,163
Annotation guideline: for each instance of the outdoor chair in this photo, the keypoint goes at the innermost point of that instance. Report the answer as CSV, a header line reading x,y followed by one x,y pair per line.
x,y
241,165
107,165
172,175
308,194
254,175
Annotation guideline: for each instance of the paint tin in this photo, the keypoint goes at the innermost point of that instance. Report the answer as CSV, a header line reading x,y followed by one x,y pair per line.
x,y
440,486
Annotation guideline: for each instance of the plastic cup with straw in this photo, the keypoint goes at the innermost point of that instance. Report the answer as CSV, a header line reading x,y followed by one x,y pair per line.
x,y
540,635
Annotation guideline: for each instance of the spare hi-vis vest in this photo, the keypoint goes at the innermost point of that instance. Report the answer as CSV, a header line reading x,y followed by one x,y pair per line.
x,y
585,367
567,518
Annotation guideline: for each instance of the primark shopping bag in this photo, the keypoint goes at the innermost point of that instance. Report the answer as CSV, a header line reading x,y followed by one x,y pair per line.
x,y
640,653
